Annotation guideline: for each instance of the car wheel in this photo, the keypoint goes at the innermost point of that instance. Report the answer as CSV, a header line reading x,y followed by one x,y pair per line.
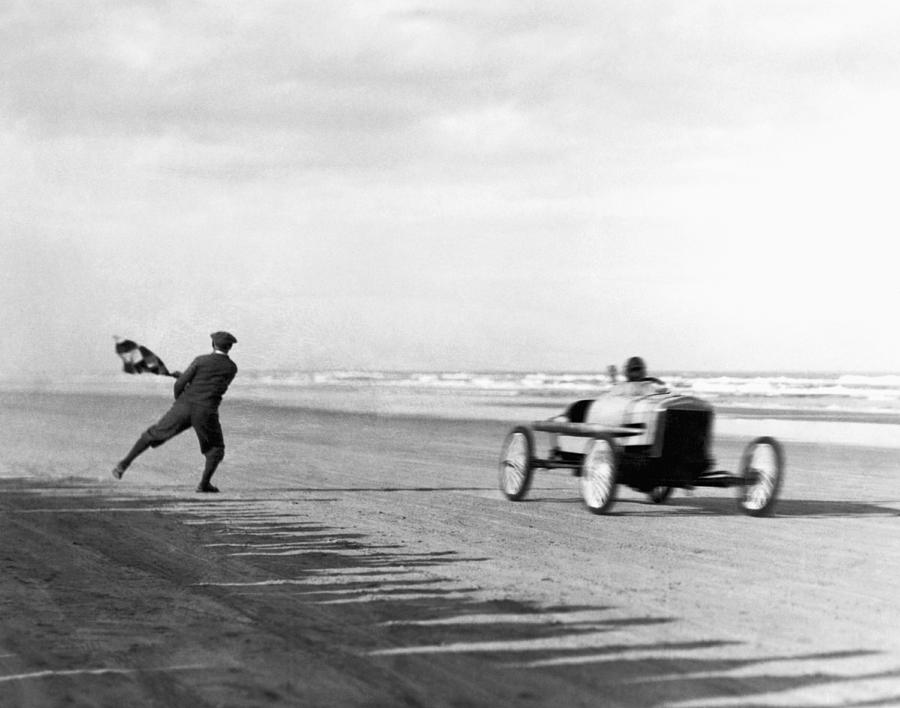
x,y
516,463
598,475
762,465
658,495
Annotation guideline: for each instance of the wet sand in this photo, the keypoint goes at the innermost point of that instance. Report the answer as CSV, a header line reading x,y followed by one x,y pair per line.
x,y
369,560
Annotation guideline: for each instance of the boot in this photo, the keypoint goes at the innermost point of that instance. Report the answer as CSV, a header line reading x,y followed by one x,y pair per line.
x,y
140,446
213,458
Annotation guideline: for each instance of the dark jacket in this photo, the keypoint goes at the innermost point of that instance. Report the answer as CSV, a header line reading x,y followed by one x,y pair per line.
x,y
206,380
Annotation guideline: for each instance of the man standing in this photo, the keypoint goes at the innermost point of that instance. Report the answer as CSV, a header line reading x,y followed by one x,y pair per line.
x,y
198,393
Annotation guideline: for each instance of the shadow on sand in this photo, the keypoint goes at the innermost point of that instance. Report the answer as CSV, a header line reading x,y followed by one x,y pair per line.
x,y
725,505
784,507
394,619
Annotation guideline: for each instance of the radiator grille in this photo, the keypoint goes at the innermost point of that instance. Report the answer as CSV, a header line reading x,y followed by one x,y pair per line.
x,y
686,436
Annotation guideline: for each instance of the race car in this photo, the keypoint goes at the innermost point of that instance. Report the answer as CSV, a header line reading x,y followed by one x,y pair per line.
x,y
646,437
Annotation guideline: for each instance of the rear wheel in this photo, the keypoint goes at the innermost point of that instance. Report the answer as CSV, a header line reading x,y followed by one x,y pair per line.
x,y
516,463
598,475
762,465
658,495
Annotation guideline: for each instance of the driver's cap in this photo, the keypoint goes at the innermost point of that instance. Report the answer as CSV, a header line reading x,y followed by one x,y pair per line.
x,y
635,367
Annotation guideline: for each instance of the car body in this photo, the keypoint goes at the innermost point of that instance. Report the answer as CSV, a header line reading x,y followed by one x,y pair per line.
x,y
646,437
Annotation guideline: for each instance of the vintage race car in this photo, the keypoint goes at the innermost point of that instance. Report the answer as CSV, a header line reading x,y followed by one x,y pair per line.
x,y
643,436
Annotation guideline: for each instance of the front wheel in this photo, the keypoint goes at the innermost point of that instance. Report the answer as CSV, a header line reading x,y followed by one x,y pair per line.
x,y
762,466
599,475
516,463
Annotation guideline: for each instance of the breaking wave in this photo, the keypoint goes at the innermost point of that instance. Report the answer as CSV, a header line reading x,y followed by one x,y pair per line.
x,y
877,387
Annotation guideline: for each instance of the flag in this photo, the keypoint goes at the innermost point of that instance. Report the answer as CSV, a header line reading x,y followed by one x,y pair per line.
x,y
137,359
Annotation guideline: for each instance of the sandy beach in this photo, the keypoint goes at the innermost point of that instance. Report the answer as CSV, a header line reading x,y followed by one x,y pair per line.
x,y
369,560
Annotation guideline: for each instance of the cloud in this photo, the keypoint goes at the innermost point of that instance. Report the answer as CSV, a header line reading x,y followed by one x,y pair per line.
x,y
234,91
592,168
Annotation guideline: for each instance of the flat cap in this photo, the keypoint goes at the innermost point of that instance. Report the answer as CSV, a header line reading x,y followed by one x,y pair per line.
x,y
226,338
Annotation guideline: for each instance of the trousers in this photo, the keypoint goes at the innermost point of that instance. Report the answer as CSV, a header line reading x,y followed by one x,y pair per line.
x,y
180,417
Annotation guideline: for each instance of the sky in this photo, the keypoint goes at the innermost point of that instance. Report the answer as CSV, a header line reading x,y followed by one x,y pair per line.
x,y
451,185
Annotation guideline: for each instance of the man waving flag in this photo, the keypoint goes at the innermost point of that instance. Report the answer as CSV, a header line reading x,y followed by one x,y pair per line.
x,y
137,359
198,393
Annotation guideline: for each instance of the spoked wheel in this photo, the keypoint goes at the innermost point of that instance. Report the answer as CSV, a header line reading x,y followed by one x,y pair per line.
x,y
598,475
658,495
516,463
762,465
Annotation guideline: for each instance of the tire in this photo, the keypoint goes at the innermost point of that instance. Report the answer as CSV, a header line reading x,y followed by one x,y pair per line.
x,y
762,468
659,495
517,463
599,474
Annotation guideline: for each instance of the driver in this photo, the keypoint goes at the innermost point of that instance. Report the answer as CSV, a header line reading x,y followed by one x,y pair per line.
x,y
635,369
637,383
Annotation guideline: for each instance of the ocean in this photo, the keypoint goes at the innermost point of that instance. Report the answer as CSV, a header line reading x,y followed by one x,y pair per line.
x,y
876,394
851,408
